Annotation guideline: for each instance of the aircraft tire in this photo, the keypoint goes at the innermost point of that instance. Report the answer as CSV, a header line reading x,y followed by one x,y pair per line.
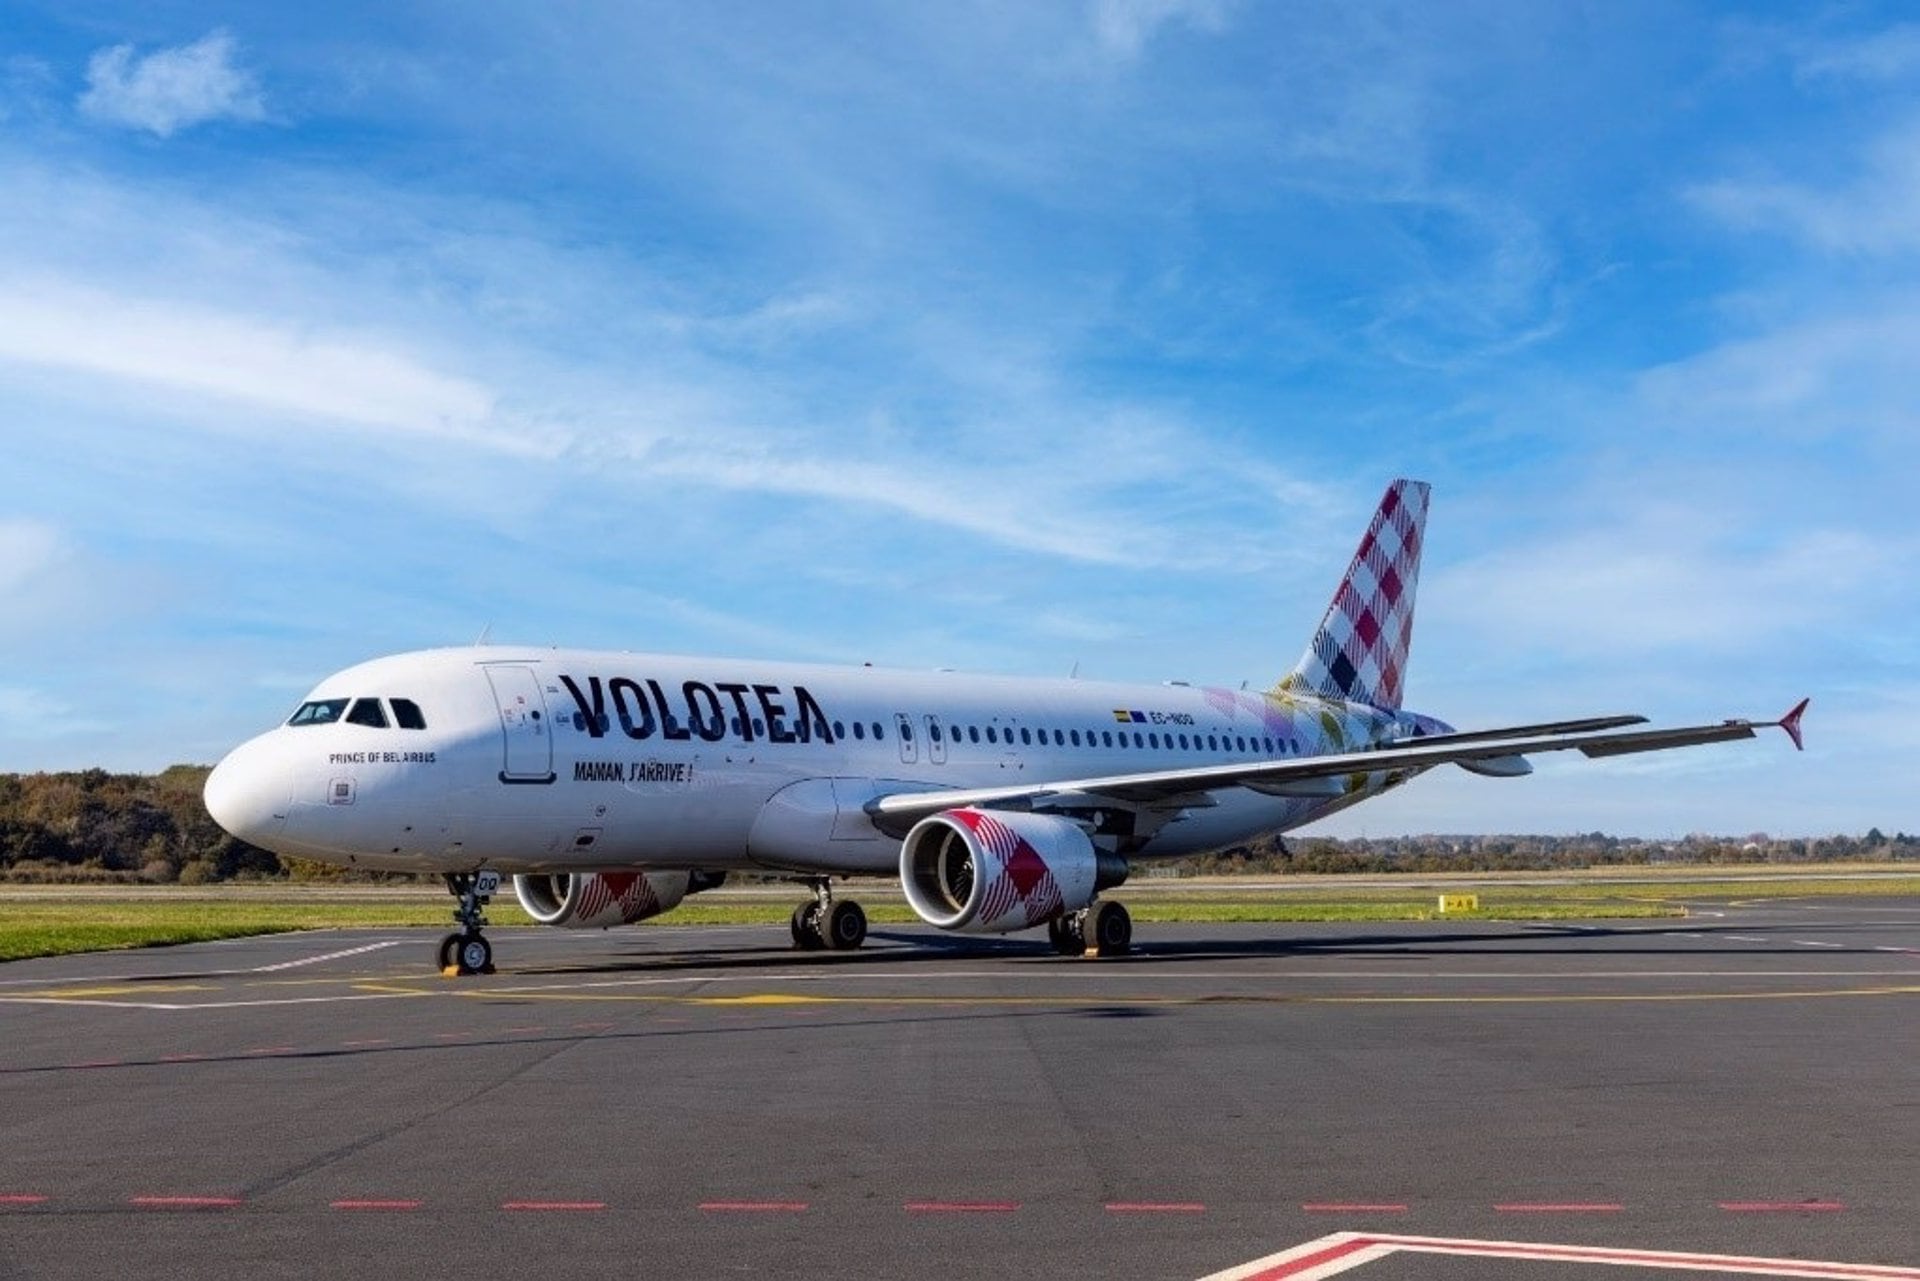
x,y
845,926
475,953
1064,936
806,928
1109,930
449,951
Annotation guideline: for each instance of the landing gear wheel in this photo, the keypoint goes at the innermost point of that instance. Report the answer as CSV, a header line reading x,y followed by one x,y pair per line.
x,y
845,926
1064,933
1108,930
467,952
806,928
475,954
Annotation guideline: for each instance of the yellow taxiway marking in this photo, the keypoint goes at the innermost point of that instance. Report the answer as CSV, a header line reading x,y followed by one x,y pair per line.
x,y
137,989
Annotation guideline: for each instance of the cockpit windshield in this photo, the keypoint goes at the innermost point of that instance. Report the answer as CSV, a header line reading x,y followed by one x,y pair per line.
x,y
321,711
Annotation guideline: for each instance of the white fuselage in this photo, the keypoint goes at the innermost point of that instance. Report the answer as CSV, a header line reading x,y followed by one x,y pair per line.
x,y
572,760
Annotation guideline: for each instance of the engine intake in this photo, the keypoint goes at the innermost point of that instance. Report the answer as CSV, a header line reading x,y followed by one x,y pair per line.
x,y
980,872
598,900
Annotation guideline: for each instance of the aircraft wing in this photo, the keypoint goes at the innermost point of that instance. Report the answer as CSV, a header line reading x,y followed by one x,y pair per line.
x,y
1184,787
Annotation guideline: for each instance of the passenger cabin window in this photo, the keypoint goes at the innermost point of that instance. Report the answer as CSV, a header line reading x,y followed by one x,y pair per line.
x,y
366,711
323,711
406,714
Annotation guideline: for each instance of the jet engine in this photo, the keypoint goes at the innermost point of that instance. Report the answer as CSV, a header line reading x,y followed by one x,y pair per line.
x,y
991,872
584,901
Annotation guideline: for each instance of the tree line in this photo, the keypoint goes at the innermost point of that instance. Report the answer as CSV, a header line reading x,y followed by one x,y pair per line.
x,y
92,825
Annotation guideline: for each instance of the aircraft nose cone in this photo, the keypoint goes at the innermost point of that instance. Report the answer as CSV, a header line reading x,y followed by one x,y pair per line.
x,y
247,795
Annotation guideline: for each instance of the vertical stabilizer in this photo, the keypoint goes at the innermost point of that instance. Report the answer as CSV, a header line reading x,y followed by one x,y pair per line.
x,y
1360,652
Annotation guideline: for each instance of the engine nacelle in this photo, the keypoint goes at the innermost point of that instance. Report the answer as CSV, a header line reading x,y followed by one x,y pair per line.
x,y
981,872
597,900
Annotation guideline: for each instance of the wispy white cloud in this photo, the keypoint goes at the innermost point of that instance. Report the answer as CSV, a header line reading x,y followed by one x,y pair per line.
x,y
1847,373
1125,27
171,89
24,709
1876,211
27,547
1889,54
253,360
26,86
1659,583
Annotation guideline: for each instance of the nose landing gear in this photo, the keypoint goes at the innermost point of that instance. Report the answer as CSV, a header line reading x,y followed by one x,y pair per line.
x,y
467,951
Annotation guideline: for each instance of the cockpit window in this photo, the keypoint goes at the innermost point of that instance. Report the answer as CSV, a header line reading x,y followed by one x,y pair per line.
x,y
406,713
323,711
366,711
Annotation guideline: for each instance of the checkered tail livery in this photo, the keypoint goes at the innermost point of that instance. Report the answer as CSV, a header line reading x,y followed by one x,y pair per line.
x,y
1360,652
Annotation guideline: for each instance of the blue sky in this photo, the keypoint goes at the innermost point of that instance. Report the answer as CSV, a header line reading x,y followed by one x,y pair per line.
x,y
1005,337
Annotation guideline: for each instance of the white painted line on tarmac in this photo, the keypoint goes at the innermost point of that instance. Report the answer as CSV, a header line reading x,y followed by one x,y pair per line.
x,y
1345,1251
325,956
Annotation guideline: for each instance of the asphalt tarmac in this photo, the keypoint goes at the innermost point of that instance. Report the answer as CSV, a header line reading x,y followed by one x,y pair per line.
x,y
704,1102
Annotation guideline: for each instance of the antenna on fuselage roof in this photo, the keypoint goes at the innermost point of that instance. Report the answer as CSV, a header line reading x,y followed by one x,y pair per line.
x,y
485,636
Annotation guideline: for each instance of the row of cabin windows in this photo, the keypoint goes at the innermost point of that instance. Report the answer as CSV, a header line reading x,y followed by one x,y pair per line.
x,y
1075,738
864,731
360,711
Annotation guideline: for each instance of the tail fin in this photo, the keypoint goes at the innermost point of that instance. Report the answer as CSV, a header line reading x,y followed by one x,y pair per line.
x,y
1360,652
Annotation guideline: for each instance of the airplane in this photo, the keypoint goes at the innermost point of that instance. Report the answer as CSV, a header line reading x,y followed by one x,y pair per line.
x,y
611,785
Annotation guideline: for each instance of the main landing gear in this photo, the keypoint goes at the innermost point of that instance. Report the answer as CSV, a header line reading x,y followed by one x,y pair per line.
x,y
1104,929
825,923
467,951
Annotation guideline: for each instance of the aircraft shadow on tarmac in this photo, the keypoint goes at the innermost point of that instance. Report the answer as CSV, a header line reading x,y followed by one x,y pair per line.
x,y
932,948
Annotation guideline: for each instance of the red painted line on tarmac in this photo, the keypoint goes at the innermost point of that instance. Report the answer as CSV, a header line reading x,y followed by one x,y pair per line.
x,y
1354,1207
22,1198
753,1207
182,1058
185,1202
1155,1207
962,1207
1780,1207
1559,1207
553,1205
1308,1262
375,1205
592,1027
